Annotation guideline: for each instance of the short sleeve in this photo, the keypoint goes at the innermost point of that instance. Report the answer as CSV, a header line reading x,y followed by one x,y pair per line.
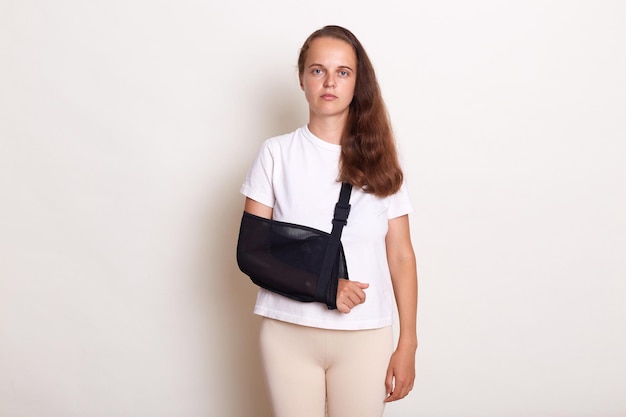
x,y
400,203
258,184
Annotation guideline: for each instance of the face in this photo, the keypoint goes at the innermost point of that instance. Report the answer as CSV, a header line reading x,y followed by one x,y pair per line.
x,y
329,77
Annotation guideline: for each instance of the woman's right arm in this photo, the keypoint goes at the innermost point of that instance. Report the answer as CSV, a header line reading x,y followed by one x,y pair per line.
x,y
258,209
349,293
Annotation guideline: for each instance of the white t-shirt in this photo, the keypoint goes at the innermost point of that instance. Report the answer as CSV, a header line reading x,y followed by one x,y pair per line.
x,y
296,174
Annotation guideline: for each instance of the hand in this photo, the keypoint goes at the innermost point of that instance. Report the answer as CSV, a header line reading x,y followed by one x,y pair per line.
x,y
350,294
400,374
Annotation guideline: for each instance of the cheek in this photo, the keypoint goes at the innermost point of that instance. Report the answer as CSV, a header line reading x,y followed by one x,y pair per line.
x,y
308,91
309,87
308,84
352,86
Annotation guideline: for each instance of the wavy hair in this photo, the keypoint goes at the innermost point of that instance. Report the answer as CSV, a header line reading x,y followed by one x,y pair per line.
x,y
369,158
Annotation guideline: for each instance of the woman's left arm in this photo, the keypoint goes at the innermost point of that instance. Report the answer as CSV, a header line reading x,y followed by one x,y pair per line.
x,y
403,268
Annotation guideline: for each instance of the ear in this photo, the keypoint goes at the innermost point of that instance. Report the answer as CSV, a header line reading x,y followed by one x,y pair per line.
x,y
301,84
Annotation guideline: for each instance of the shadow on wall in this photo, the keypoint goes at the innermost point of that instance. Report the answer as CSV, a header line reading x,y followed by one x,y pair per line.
x,y
227,295
229,303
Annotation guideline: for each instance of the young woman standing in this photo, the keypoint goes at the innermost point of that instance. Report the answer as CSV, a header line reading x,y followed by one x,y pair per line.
x,y
342,361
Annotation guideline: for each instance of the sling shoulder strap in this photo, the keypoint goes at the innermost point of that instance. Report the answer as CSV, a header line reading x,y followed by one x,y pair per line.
x,y
340,219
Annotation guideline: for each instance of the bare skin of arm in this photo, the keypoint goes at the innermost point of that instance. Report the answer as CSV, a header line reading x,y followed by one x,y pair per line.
x,y
402,265
258,209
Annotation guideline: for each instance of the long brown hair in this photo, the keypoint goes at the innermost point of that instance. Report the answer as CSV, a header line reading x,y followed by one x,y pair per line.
x,y
369,158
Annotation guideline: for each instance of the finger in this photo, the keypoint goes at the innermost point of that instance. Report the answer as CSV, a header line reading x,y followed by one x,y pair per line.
x,y
351,295
356,298
389,381
399,391
359,293
343,308
345,305
394,396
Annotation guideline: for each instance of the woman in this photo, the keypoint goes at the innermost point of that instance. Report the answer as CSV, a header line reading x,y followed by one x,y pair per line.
x,y
342,359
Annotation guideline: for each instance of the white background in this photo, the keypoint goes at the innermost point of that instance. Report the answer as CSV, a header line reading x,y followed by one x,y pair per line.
x,y
127,126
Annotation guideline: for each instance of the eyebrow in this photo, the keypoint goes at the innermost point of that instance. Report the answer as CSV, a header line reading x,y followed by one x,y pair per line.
x,y
340,66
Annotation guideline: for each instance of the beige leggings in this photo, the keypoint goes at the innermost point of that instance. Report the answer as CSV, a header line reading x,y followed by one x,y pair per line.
x,y
307,369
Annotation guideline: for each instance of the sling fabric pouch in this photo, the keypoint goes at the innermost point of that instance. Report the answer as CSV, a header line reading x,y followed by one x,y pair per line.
x,y
289,259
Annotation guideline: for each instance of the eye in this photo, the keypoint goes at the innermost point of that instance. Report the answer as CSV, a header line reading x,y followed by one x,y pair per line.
x,y
344,73
317,71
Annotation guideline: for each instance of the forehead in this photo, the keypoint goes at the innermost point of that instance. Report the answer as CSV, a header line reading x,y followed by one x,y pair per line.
x,y
331,51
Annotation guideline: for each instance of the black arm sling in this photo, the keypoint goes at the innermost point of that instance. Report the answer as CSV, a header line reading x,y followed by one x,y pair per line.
x,y
299,262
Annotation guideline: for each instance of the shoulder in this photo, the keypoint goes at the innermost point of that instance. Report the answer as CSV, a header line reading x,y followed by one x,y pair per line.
x,y
283,139
280,144
400,203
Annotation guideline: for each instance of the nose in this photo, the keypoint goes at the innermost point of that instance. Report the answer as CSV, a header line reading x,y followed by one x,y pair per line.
x,y
329,81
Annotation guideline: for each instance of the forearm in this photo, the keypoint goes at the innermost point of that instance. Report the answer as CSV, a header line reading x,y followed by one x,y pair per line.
x,y
401,370
404,280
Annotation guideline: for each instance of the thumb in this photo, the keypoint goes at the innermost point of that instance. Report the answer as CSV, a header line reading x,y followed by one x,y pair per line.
x,y
389,381
362,285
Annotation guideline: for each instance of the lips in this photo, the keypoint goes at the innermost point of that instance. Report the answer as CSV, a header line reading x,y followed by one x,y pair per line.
x,y
329,97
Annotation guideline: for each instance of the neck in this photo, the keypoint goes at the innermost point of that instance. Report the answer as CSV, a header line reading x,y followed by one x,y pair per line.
x,y
329,129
